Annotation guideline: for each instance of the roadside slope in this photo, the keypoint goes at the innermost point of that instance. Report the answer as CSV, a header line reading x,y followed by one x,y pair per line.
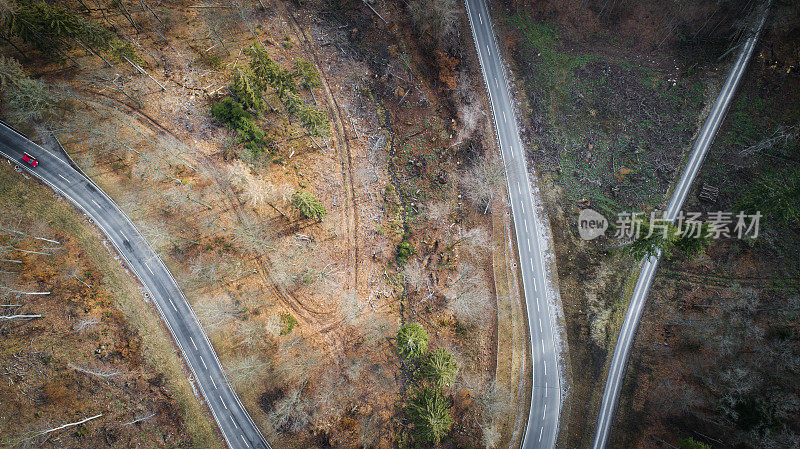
x,y
232,419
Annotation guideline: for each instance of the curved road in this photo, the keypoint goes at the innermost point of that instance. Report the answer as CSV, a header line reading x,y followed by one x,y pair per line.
x,y
232,419
647,273
542,426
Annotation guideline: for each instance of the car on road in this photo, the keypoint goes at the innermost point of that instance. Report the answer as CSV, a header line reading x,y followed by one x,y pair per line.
x,y
30,160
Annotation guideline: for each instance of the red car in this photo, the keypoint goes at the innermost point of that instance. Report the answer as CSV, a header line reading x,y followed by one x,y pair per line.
x,y
30,159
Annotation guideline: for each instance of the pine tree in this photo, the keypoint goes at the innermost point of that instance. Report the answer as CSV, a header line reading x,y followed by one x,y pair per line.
x,y
292,103
440,368
11,72
246,90
412,341
308,73
308,205
429,410
314,120
269,73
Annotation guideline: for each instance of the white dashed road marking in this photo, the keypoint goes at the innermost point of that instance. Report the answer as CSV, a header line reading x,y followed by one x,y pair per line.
x,y
245,441
173,305
234,422
95,202
212,382
62,177
195,346
204,362
540,433
223,403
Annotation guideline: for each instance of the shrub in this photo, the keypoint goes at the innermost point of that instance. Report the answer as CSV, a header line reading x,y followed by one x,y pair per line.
x,y
412,341
440,368
308,205
429,410
288,323
404,250
691,443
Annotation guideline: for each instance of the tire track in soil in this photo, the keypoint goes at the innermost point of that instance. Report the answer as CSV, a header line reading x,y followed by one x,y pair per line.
x,y
308,315
343,150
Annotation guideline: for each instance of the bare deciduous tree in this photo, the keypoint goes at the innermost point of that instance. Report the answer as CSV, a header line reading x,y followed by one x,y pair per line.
x,y
480,181
245,371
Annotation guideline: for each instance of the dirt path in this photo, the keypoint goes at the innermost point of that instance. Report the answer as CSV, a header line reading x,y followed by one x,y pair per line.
x,y
343,150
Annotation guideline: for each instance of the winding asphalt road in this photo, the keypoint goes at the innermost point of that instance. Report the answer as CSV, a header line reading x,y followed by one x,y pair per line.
x,y
542,426
647,273
233,420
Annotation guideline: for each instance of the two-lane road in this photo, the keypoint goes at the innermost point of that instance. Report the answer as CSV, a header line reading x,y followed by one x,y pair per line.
x,y
233,420
542,426
647,273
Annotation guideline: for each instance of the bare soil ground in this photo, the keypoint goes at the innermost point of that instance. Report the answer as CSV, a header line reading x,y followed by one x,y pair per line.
x,y
97,349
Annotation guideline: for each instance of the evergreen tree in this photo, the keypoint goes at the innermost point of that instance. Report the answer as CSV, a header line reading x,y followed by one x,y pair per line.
x,y
269,73
429,410
292,103
247,90
314,120
440,368
53,29
412,341
308,205
11,73
308,73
